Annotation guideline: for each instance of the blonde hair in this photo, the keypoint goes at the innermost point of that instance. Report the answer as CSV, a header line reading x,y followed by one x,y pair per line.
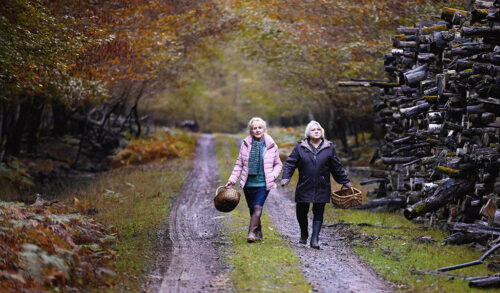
x,y
308,127
255,120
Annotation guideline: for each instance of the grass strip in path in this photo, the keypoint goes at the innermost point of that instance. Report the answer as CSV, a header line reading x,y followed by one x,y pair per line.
x,y
398,246
268,265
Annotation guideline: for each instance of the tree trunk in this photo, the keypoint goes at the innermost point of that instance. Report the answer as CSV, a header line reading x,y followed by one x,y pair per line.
x,y
135,109
60,127
471,49
15,135
473,228
105,120
82,138
397,160
342,135
451,189
489,282
415,110
460,238
353,83
11,113
414,76
376,180
410,147
482,31
2,115
354,129
385,203
33,126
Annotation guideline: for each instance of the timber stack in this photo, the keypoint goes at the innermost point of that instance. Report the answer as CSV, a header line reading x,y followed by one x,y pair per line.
x,y
440,108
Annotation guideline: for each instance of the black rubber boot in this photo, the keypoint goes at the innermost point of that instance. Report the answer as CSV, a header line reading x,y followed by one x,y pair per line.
x,y
315,234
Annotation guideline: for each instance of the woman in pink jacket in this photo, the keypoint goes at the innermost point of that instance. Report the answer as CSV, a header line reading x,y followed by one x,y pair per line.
x,y
259,165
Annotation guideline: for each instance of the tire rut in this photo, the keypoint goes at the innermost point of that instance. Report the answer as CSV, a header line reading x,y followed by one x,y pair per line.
x,y
333,268
188,247
187,256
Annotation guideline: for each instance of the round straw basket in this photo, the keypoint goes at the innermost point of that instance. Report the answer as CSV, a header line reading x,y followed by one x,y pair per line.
x,y
347,197
226,199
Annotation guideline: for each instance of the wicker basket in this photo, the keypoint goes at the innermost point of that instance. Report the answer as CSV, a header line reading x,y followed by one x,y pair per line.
x,y
226,199
347,197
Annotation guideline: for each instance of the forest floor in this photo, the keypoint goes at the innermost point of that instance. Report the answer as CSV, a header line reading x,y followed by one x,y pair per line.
x,y
192,244
168,237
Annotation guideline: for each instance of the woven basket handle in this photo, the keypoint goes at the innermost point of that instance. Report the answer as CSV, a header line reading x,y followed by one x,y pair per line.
x,y
217,190
343,186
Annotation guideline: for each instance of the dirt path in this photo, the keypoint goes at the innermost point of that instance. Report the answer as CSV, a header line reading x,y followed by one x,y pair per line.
x,y
187,254
189,246
333,268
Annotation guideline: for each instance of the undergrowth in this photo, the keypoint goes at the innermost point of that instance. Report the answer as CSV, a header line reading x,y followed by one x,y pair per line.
x,y
400,251
157,147
267,265
49,245
133,201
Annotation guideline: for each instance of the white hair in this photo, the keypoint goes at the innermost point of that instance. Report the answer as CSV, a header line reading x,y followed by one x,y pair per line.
x,y
308,127
256,120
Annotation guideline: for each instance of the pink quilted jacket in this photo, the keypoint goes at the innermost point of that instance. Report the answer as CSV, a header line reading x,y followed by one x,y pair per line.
x,y
272,162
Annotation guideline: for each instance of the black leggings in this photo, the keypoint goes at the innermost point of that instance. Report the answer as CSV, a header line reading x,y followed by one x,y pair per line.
x,y
302,209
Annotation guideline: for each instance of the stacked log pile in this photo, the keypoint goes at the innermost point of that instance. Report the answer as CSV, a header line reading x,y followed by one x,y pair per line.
x,y
440,108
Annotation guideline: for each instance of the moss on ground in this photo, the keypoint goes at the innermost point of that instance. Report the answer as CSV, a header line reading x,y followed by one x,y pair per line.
x,y
396,248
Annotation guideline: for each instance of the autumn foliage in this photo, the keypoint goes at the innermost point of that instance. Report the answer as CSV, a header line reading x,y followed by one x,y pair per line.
x,y
311,45
158,147
50,245
81,68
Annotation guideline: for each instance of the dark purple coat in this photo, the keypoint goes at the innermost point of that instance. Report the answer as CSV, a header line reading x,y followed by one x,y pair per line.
x,y
314,171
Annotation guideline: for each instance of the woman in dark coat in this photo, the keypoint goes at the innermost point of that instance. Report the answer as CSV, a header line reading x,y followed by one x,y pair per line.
x,y
316,159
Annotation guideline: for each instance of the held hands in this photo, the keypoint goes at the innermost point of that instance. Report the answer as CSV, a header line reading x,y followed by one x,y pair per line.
x,y
228,185
348,185
284,182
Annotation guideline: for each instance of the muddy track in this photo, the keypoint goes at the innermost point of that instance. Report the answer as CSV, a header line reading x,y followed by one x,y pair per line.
x,y
188,252
333,268
187,256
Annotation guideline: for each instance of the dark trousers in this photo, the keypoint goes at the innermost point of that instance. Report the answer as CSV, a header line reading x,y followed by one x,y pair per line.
x,y
302,209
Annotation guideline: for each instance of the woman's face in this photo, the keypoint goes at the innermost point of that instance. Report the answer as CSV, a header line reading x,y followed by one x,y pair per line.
x,y
315,131
258,130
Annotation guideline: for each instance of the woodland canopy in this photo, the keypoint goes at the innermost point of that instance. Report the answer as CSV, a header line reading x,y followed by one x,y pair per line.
x,y
93,69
